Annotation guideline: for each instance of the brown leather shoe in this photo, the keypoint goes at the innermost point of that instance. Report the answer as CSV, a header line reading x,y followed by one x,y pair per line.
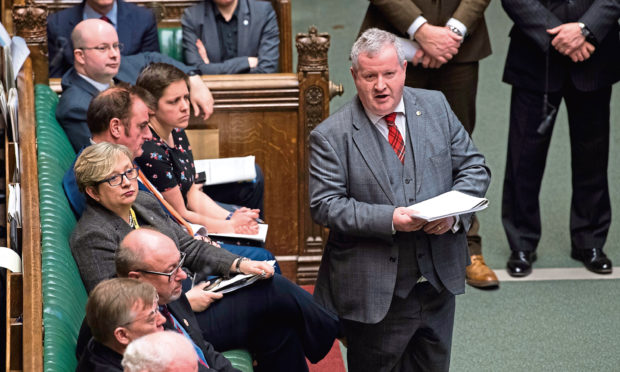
x,y
479,275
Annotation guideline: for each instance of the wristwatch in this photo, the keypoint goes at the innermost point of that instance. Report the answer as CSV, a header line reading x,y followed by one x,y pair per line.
x,y
238,265
455,30
585,31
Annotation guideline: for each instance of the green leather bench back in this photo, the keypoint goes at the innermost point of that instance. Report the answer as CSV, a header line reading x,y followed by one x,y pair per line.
x,y
64,296
171,42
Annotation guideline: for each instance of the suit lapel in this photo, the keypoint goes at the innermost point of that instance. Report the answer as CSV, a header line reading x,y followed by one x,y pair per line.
x,y
364,139
209,32
417,131
243,26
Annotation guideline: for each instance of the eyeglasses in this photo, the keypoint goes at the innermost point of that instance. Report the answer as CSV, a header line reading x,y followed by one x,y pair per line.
x,y
117,179
105,47
171,274
150,318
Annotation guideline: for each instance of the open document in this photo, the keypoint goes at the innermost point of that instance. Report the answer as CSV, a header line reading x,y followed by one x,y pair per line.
x,y
225,170
451,203
236,282
260,237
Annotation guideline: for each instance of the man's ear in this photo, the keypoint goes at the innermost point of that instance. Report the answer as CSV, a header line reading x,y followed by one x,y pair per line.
x,y
121,335
353,72
78,55
116,128
133,275
92,192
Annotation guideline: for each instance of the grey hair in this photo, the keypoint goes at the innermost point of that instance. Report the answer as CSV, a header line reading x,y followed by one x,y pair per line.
x,y
372,42
156,351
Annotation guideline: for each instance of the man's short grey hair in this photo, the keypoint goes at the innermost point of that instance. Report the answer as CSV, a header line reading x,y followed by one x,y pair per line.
x,y
156,351
372,41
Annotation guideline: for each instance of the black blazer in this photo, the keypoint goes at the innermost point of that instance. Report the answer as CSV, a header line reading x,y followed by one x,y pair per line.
x,y
182,311
529,42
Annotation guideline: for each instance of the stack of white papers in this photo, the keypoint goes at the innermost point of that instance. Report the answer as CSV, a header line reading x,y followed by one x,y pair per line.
x,y
451,203
226,170
237,281
261,236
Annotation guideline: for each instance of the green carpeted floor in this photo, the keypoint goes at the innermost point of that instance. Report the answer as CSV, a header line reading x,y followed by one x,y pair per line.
x,y
524,326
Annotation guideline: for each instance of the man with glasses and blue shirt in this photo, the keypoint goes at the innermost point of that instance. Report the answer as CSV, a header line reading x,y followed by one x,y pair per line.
x,y
97,66
136,27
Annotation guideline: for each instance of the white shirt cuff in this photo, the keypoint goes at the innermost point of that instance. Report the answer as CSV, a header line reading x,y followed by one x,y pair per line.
x,y
458,24
410,48
415,25
457,224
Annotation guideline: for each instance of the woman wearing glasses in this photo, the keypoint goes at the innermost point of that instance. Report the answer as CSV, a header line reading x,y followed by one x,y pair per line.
x,y
115,206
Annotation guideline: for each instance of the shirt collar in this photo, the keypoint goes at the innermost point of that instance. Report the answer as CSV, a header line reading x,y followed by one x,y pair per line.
x,y
99,86
400,108
91,13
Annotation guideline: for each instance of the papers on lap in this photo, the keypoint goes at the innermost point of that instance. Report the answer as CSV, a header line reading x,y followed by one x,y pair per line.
x,y
226,170
237,281
451,203
261,236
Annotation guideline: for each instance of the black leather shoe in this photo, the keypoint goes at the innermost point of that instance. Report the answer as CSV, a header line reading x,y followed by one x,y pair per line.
x,y
593,259
520,263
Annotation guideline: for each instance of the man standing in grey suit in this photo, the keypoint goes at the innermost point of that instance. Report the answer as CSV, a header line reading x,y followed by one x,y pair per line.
x,y
391,277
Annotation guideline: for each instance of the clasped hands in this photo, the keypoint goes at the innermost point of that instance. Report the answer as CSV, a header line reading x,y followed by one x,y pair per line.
x,y
569,41
403,221
437,45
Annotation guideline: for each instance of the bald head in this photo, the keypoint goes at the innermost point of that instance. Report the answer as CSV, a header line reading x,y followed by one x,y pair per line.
x,y
140,247
162,351
96,50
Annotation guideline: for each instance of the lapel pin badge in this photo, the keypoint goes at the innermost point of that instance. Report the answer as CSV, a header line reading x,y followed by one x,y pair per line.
x,y
246,22
186,322
418,113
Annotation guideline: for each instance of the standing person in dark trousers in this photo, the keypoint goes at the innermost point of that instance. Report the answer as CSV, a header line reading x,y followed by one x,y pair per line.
x,y
560,50
391,277
443,40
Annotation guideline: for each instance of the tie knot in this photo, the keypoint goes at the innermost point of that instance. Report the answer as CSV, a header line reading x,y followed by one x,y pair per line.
x,y
163,309
105,18
390,119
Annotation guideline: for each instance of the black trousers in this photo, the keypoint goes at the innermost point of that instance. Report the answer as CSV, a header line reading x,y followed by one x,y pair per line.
x,y
276,320
415,335
588,121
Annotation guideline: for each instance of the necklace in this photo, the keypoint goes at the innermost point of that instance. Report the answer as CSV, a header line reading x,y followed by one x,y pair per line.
x,y
133,221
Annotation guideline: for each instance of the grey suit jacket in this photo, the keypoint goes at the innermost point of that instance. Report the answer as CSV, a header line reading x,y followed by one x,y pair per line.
x,y
350,193
99,232
257,36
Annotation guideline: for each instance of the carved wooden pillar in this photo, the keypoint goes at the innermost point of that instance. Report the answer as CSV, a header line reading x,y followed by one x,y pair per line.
x,y
314,96
30,22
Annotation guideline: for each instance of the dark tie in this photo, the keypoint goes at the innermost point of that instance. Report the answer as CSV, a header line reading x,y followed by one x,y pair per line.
x,y
104,18
394,137
163,309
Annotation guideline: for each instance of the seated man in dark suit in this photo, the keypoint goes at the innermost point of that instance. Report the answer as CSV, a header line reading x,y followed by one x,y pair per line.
x,y
136,27
121,310
231,37
117,312
98,65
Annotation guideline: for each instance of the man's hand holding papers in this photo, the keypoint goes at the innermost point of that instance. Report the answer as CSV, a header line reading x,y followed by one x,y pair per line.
x,y
449,204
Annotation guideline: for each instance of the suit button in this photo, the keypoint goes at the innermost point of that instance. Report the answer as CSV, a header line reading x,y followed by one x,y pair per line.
x,y
407,180
410,200
421,255
392,259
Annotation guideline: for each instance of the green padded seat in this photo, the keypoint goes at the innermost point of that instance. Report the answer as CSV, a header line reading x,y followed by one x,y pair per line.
x,y
64,296
171,42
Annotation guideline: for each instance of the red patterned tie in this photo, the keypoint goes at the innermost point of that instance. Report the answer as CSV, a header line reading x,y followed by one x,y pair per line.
x,y
394,137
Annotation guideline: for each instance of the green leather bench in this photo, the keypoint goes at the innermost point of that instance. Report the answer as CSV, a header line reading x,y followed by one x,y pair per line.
x,y
64,296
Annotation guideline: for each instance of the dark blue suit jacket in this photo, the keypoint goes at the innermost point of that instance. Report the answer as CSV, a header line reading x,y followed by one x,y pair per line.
x,y
77,94
257,36
137,30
